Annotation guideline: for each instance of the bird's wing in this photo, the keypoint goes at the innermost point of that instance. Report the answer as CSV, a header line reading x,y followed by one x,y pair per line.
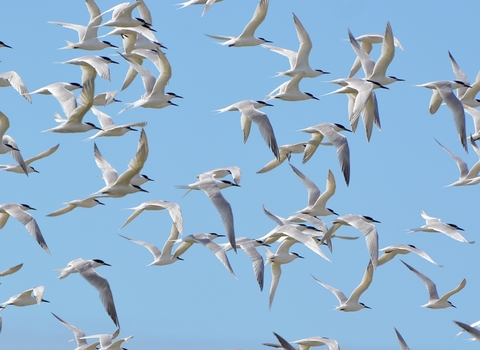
x,y
218,251
137,162
15,152
101,284
276,273
338,294
17,83
364,284
401,341
257,260
431,288
106,122
305,44
388,52
152,248
258,17
11,270
454,291
42,155
109,173
313,191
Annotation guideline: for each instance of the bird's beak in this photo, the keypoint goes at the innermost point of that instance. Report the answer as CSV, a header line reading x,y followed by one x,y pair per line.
x,y
173,104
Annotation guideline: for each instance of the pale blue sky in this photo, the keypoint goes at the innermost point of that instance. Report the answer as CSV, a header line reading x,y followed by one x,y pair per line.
x,y
197,304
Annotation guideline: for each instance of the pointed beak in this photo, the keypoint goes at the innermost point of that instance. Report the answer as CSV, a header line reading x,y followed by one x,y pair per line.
x,y
173,104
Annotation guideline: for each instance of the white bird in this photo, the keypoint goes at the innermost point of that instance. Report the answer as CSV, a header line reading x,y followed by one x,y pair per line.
x,y
298,60
224,171
246,38
154,96
352,303
9,145
74,122
401,341
475,333
26,298
249,247
138,55
211,186
466,95
105,98
79,336
295,232
86,268
17,211
88,202
205,239
443,91
290,90
281,256
12,79
364,225
285,152
11,270
434,301
331,132
91,65
316,200
106,340
366,42
16,168
436,225
391,251
122,16
467,177
62,91
250,114
173,209
120,185
208,4
377,71
109,128
165,256
87,35
306,343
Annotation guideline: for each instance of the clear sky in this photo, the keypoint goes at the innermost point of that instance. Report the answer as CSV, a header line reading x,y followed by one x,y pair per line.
x,y
196,303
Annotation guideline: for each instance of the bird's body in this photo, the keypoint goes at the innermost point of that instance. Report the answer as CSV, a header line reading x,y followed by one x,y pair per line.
x,y
31,296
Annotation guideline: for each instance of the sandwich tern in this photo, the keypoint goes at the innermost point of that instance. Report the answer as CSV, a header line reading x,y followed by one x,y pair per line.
x,y
81,342
91,65
12,79
31,296
281,256
331,132
18,212
246,38
86,268
298,60
62,91
16,168
377,71
467,177
250,114
366,42
290,90
205,239
154,96
105,98
352,304
88,202
434,302
109,128
295,232
224,171
401,341
9,145
11,270
316,200
364,225
391,251
464,94
165,256
173,209
120,185
436,225
74,122
284,152
87,35
207,3
211,186
443,91
122,16
106,340
306,343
